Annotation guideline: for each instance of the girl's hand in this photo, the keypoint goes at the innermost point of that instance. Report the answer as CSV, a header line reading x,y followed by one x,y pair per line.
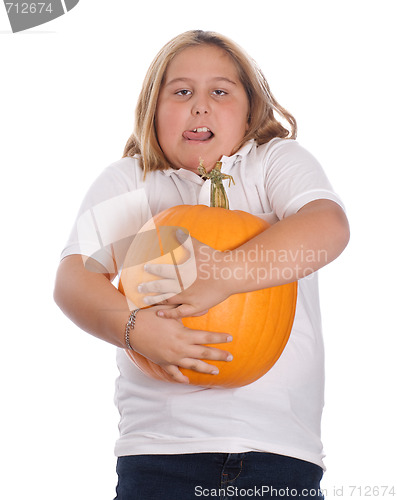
x,y
175,278
194,286
171,345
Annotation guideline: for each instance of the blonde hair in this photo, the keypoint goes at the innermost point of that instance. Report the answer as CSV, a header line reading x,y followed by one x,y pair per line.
x,y
262,124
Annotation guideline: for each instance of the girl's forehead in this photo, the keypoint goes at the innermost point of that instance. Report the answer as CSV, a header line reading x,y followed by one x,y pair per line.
x,y
201,60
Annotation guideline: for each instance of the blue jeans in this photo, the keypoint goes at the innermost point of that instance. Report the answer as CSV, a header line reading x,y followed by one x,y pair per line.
x,y
217,476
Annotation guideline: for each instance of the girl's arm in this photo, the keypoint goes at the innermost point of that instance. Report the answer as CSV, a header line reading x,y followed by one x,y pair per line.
x,y
91,301
289,250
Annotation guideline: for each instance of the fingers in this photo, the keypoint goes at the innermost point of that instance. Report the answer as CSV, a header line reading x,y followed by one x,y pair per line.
x,y
164,270
201,313
182,311
196,353
151,300
189,364
184,273
176,374
204,338
211,354
160,286
199,366
200,348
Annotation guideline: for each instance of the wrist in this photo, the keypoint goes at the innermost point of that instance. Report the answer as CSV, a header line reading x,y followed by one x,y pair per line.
x,y
129,329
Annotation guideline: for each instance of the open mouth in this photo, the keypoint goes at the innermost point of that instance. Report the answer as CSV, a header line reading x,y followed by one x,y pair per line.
x,y
198,134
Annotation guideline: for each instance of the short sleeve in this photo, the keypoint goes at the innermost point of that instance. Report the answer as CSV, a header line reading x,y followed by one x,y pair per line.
x,y
112,212
293,178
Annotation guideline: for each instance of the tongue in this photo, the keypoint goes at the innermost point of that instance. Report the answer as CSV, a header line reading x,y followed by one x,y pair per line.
x,y
197,136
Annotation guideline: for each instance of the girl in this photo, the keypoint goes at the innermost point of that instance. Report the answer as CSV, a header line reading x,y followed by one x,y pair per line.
x,y
204,99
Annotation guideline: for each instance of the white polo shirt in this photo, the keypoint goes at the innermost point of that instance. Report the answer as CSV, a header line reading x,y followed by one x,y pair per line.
x,y
279,413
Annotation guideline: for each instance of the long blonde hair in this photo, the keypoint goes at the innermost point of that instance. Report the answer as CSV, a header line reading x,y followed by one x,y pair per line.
x,y
262,124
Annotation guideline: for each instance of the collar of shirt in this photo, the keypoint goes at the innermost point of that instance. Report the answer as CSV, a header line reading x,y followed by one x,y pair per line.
x,y
227,161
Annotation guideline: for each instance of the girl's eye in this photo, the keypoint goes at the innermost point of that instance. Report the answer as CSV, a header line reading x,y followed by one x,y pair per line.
x,y
219,92
183,92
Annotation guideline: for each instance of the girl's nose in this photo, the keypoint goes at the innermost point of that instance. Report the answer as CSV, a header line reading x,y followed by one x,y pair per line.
x,y
201,106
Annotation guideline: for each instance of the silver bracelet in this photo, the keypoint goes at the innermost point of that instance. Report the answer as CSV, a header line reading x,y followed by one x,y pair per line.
x,y
128,327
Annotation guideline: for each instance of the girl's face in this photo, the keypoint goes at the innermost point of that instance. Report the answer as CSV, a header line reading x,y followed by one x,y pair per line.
x,y
202,110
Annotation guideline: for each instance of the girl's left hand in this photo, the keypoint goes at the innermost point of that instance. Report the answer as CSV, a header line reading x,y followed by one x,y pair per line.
x,y
199,278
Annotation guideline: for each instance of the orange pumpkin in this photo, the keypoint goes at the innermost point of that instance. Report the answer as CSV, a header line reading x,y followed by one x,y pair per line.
x,y
260,321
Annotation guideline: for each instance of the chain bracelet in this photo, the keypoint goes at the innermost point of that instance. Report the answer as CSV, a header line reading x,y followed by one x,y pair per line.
x,y
129,327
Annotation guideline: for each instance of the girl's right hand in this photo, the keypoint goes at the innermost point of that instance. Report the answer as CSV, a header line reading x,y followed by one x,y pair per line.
x,y
169,344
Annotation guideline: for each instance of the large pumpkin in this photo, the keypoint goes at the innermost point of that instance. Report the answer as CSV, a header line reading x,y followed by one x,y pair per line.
x,y
260,321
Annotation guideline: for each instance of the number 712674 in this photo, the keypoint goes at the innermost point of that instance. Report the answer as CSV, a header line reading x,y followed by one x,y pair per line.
x,y
29,7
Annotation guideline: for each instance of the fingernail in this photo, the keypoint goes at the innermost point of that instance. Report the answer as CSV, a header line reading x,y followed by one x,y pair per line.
x,y
229,339
215,372
229,358
159,313
140,288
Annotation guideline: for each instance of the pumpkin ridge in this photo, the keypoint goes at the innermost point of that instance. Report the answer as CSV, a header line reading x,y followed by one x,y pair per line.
x,y
281,321
270,319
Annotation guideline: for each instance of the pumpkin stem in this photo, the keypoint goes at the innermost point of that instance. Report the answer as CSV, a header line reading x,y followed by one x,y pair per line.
x,y
218,193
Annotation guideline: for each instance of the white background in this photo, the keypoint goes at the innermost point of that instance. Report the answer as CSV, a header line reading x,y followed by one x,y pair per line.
x,y
68,92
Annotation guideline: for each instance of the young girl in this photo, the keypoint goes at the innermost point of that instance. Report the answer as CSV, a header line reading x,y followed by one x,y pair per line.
x,y
205,100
